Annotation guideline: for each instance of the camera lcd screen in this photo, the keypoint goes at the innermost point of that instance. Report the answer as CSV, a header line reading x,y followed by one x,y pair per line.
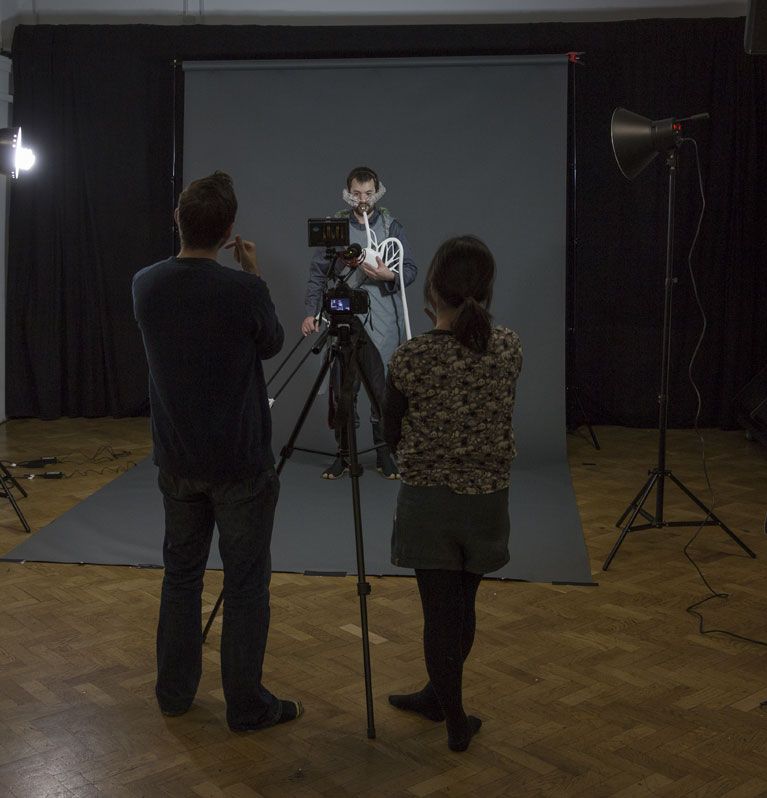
x,y
341,304
328,232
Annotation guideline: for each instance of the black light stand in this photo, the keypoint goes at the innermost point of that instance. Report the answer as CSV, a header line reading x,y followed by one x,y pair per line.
x,y
7,483
636,141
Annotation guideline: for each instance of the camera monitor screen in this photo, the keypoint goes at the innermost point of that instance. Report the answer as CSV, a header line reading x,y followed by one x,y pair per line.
x,y
328,232
341,304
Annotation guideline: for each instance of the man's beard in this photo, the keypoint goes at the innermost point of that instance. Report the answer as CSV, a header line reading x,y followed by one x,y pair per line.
x,y
355,203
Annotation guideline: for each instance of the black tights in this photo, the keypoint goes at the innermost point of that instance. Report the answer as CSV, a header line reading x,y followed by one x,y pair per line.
x,y
449,620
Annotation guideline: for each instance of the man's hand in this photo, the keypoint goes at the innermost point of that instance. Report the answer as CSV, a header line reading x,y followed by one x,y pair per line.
x,y
309,325
245,254
383,272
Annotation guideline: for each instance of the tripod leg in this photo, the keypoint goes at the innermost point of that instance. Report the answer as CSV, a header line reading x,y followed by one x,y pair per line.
x,y
363,587
710,514
634,503
349,369
16,507
5,476
212,617
637,504
587,422
287,450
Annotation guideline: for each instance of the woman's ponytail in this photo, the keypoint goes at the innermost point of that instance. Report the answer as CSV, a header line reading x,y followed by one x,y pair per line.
x,y
461,275
472,326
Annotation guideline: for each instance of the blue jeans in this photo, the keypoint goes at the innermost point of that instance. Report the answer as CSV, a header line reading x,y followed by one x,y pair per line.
x,y
244,513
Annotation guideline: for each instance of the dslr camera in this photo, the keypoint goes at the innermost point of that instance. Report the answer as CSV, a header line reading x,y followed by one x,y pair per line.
x,y
344,301
339,302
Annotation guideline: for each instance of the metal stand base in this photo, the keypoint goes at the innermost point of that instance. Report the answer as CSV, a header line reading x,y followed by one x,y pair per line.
x,y
574,398
636,508
7,483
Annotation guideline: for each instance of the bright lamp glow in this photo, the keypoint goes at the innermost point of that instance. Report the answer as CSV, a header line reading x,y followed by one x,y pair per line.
x,y
14,158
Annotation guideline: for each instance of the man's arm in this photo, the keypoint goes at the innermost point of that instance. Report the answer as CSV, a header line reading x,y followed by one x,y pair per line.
x,y
409,269
315,285
269,333
244,253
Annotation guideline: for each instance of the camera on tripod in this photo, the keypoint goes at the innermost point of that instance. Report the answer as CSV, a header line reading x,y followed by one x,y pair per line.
x,y
340,302
343,301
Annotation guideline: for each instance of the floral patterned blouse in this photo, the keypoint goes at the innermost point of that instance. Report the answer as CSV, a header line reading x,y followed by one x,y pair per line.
x,y
447,412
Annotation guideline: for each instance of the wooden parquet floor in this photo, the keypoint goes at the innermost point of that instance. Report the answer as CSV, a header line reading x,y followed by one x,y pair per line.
x,y
589,691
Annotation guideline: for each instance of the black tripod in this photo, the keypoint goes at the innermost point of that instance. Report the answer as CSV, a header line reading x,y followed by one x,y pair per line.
x,y
658,475
7,483
345,336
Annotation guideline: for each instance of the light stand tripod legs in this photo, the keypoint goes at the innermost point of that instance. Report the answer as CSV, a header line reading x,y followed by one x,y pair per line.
x,y
714,520
575,413
7,483
637,504
657,478
636,500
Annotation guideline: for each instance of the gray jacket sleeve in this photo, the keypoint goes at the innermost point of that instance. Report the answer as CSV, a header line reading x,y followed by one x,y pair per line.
x,y
396,230
315,285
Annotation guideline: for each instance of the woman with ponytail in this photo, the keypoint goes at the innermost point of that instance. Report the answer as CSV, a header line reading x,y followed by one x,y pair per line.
x,y
449,402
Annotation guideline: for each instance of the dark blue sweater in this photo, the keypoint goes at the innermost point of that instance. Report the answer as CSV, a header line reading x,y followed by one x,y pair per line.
x,y
206,330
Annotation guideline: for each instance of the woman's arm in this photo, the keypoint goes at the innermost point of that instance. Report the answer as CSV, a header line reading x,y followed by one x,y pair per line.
x,y
394,410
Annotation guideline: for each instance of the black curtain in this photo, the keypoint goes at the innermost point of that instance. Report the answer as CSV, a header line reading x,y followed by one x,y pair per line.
x,y
98,104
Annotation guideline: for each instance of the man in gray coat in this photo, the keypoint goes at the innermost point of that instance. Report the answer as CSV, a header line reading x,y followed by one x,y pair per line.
x,y
384,324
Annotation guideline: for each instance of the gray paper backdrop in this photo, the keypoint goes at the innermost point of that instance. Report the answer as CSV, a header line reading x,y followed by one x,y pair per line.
x,y
462,145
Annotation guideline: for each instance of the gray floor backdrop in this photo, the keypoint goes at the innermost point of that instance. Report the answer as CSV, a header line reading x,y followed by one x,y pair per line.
x,y
314,529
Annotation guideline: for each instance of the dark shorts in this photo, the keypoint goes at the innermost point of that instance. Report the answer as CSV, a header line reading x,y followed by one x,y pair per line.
x,y
437,528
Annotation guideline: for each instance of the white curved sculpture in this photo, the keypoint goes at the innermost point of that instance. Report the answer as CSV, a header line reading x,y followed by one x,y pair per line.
x,y
391,252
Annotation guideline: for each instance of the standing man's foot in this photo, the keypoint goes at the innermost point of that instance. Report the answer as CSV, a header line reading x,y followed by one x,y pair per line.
x,y
289,710
386,465
336,469
174,713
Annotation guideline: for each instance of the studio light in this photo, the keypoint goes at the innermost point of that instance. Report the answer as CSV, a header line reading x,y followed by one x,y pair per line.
x,y
14,158
637,140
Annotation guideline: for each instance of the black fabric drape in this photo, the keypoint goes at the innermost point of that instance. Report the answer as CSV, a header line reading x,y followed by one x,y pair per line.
x,y
98,104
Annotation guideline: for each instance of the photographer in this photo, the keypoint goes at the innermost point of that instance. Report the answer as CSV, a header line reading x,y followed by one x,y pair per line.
x,y
384,324
206,329
448,417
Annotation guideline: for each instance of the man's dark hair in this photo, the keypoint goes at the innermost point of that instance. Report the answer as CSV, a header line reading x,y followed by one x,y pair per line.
x,y
361,174
461,274
206,208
